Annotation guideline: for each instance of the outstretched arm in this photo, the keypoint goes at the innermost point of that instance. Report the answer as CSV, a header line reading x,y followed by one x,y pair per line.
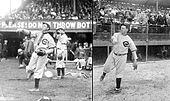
x,y
114,39
24,31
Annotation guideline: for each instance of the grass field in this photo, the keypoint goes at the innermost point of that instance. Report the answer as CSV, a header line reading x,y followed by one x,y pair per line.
x,y
151,82
14,87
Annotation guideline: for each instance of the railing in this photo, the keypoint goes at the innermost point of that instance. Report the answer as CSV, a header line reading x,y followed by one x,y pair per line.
x,y
136,31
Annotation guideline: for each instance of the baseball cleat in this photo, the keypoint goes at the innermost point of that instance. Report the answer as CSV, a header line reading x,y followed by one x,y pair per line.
x,y
21,66
102,77
117,90
34,90
62,77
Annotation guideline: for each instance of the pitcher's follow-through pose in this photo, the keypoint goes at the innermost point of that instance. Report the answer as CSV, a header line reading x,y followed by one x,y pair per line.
x,y
118,56
44,44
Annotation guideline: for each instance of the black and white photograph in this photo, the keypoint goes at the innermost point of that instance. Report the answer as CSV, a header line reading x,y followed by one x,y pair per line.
x,y
131,57
84,50
46,50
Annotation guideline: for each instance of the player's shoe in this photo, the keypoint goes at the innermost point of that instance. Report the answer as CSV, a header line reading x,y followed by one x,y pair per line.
x,y
102,77
34,90
117,90
62,77
21,66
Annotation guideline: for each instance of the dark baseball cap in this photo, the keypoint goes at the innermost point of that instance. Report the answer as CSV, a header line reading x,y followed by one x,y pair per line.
x,y
47,25
60,29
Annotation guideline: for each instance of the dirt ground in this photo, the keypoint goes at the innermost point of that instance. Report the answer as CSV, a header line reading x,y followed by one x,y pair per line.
x,y
14,87
151,82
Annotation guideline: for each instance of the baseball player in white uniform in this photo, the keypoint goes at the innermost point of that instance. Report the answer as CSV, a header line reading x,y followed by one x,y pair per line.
x,y
44,44
62,42
118,56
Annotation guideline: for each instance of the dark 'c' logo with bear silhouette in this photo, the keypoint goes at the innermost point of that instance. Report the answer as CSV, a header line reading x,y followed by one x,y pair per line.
x,y
126,44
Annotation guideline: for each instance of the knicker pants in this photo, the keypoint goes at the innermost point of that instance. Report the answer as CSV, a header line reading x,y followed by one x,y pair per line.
x,y
114,61
37,64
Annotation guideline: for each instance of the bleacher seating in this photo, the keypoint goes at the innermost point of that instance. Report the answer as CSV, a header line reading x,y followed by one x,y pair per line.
x,y
142,19
53,9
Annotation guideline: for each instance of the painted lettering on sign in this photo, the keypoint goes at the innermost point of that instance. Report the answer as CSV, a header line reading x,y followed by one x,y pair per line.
x,y
70,24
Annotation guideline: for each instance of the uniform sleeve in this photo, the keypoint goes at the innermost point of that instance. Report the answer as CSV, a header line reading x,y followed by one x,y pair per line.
x,y
32,47
24,31
38,35
51,42
114,38
132,45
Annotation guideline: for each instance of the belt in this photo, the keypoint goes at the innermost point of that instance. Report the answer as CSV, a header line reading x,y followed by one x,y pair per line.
x,y
120,54
63,43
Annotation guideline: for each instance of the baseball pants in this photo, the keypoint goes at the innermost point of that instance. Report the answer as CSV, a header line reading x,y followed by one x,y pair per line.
x,y
114,61
38,64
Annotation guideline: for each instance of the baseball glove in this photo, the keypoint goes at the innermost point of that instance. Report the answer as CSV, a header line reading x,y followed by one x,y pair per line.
x,y
41,53
26,61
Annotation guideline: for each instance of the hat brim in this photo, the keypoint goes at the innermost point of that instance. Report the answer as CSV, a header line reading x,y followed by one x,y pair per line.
x,y
60,29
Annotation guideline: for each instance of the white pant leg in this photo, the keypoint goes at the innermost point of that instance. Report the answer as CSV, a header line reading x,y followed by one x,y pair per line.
x,y
40,66
33,62
109,63
120,64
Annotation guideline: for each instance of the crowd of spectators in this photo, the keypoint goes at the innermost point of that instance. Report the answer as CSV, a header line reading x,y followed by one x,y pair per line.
x,y
53,9
137,16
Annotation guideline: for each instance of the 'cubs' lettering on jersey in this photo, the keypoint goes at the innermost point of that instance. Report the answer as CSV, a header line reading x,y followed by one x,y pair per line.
x,y
45,41
126,44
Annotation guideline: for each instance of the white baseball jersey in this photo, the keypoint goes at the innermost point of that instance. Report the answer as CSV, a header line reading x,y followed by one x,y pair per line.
x,y
37,63
62,41
46,42
62,45
60,64
122,43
